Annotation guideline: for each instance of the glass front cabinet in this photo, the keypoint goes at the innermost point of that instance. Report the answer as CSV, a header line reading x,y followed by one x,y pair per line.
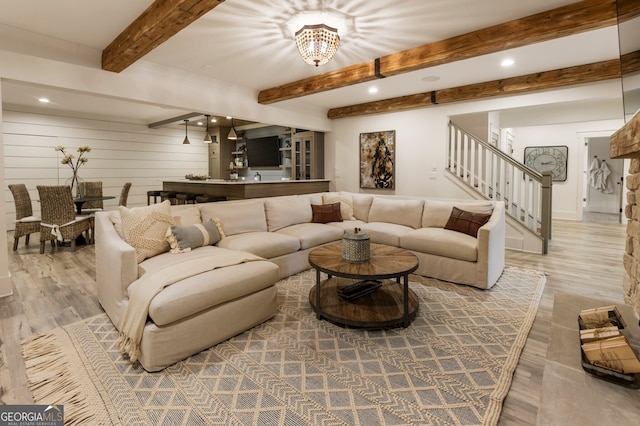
x,y
307,155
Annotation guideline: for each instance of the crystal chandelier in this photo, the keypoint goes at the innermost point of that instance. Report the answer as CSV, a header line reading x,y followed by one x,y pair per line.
x,y
317,43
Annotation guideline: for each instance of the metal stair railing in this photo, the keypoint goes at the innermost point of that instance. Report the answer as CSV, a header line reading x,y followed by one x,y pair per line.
x,y
494,175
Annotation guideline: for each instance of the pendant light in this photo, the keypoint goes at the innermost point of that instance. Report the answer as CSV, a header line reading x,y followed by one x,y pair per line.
x,y
232,134
207,136
186,138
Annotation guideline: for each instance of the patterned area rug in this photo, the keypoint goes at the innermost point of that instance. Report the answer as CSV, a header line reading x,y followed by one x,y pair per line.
x,y
452,365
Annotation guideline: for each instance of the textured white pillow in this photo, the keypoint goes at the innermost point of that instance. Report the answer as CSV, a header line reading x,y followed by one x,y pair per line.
x,y
117,223
400,212
145,228
346,203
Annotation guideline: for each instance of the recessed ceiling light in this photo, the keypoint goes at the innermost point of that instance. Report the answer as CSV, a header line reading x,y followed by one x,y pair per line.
x,y
43,100
200,123
213,120
373,90
507,62
228,117
430,78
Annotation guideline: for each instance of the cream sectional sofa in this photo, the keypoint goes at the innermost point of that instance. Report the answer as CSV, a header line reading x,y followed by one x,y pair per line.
x,y
198,312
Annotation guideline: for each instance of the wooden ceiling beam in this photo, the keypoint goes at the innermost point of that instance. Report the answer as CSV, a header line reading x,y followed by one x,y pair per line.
x,y
627,10
161,21
546,80
564,21
630,63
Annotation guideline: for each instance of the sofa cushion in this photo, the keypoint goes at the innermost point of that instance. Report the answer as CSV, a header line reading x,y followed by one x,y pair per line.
x,y
400,212
312,234
361,206
437,212
184,238
385,233
466,222
346,203
207,290
441,242
237,217
325,213
348,225
263,244
184,215
145,228
286,211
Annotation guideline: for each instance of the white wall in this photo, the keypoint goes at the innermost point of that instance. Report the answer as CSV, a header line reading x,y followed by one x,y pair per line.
x,y
120,153
567,196
421,137
6,287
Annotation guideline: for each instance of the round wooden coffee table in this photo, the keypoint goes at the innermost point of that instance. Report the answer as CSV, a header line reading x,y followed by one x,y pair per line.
x,y
391,304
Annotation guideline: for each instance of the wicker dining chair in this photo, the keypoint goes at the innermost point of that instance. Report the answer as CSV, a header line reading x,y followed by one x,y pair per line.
x,y
89,208
92,189
124,194
26,222
58,216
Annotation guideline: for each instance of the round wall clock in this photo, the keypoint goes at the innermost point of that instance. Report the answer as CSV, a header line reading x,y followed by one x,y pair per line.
x,y
548,158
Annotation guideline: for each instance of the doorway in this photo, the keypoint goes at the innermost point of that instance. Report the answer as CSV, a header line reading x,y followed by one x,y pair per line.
x,y
602,201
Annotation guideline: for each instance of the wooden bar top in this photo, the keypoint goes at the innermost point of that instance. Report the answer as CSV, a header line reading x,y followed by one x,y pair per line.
x,y
247,189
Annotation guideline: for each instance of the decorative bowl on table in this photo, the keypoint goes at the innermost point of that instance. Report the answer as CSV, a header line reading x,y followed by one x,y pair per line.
x,y
193,176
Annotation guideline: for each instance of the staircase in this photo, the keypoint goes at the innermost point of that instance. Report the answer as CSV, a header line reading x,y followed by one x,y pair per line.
x,y
493,175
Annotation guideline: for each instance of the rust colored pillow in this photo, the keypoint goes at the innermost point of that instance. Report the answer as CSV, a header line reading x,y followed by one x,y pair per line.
x,y
324,213
466,222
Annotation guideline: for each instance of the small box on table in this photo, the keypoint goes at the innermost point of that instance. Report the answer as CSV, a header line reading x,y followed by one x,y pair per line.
x,y
356,246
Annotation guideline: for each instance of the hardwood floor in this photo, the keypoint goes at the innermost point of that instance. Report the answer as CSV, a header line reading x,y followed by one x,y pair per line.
x,y
58,288
583,259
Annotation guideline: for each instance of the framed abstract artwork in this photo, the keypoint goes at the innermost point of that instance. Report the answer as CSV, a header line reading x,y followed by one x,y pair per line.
x,y
377,159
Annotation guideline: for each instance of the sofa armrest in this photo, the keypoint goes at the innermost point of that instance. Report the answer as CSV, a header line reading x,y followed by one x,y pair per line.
x,y
491,247
116,267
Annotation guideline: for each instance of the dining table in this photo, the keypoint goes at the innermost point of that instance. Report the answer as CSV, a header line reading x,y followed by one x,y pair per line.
x,y
79,201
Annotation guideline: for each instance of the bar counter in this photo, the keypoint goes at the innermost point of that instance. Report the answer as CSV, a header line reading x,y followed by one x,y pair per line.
x,y
235,190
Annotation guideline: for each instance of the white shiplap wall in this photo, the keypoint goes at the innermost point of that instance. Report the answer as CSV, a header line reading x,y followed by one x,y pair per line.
x,y
120,152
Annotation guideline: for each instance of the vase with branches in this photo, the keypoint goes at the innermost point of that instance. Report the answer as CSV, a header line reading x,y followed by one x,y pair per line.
x,y
74,181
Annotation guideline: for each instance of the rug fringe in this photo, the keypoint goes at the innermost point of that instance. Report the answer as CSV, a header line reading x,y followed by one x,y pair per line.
x,y
51,378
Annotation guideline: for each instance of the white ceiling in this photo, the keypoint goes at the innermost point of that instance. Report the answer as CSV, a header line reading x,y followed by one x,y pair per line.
x,y
247,43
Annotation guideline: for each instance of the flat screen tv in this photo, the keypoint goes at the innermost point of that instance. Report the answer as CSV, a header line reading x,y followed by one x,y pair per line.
x,y
263,152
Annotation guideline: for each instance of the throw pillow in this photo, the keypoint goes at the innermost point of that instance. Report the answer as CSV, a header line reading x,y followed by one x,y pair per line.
x,y
436,212
117,222
325,213
466,222
145,228
184,238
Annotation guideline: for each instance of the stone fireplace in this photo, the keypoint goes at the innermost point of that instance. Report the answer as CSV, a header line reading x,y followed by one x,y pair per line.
x,y
625,143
